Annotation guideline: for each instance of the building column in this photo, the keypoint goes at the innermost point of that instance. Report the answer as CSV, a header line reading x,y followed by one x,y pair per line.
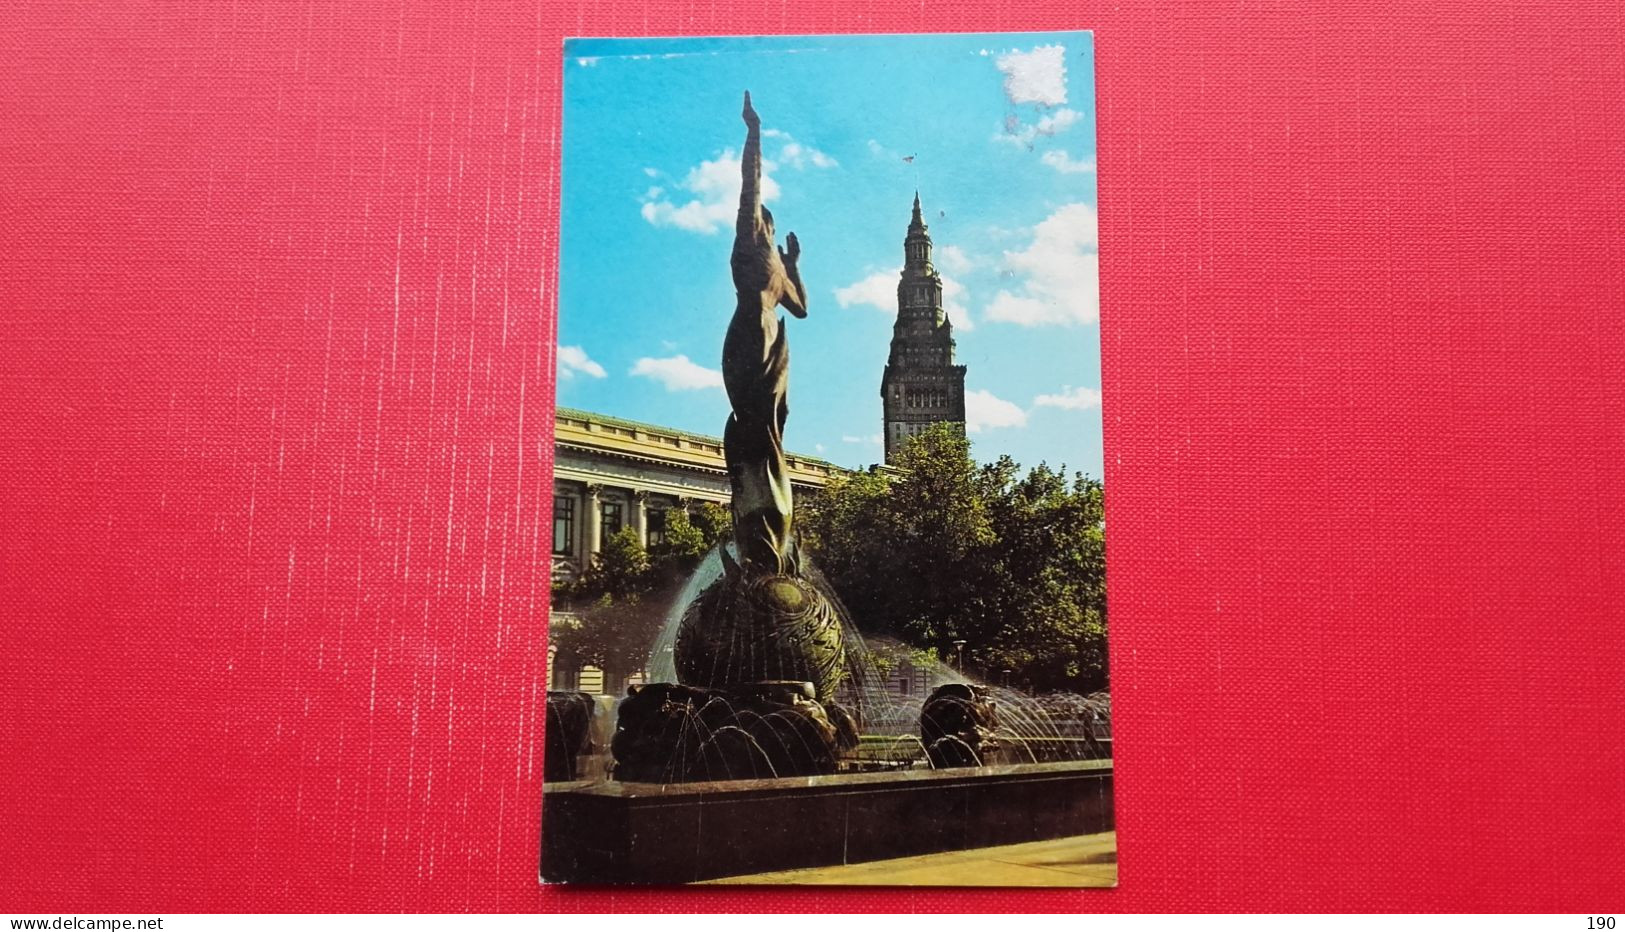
x,y
640,515
594,522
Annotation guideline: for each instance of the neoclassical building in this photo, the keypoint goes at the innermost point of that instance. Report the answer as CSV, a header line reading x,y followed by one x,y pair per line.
x,y
610,473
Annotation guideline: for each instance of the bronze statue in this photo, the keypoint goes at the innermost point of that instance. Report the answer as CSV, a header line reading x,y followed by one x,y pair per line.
x,y
756,369
762,621
759,652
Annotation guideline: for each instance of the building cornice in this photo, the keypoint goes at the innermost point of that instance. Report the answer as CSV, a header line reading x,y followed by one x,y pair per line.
x,y
634,441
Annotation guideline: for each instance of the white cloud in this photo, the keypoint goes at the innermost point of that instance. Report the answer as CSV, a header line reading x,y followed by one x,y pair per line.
x,y
678,373
1062,161
1035,77
872,439
954,260
1024,134
954,303
881,152
1059,271
955,300
986,411
715,186
573,359
798,155
878,291
1073,399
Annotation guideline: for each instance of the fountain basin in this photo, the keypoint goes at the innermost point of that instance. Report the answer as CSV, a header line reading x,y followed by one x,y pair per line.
x,y
613,832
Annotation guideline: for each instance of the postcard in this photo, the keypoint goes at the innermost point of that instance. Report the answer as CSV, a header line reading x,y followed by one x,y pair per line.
x,y
829,588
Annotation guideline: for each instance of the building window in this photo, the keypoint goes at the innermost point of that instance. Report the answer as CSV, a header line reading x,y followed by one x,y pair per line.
x,y
611,519
656,519
564,526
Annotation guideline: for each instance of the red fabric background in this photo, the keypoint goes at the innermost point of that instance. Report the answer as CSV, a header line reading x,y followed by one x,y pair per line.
x,y
276,390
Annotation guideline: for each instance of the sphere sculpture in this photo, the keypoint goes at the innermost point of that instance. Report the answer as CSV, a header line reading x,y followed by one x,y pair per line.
x,y
750,628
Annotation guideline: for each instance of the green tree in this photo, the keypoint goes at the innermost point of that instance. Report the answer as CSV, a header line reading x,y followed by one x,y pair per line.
x,y
610,616
846,527
682,542
615,621
613,634
619,569
901,545
937,549
1047,593
937,515
714,521
688,538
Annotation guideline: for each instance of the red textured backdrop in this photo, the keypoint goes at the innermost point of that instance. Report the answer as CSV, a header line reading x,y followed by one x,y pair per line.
x,y
276,389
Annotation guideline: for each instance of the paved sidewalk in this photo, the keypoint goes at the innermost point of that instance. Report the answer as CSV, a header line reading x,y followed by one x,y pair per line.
x,y
1079,861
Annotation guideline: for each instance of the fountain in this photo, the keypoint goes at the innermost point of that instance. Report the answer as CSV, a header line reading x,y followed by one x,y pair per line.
x,y
769,723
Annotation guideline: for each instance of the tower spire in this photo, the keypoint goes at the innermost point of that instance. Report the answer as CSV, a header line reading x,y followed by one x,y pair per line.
x,y
921,385
917,244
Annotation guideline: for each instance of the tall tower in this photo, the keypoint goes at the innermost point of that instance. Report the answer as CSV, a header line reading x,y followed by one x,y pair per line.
x,y
921,385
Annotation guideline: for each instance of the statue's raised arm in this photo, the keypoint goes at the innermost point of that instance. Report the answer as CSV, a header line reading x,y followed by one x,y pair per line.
x,y
762,271
750,167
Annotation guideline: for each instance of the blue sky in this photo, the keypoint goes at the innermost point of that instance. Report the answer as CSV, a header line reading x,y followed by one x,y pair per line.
x,y
1001,131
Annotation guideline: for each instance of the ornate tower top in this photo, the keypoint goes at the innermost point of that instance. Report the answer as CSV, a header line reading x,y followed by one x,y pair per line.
x,y
922,385
917,246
